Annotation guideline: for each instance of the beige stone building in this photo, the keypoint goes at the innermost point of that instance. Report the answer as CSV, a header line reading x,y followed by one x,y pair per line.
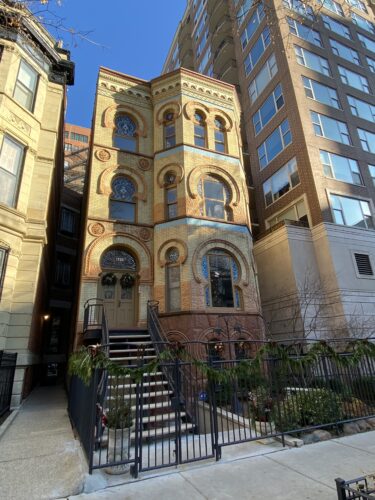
x,y
167,207
305,76
33,76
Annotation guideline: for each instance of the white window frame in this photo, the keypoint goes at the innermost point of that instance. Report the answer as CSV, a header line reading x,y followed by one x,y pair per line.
x,y
289,169
282,134
371,169
15,170
364,139
345,52
300,7
270,69
339,195
363,23
370,63
257,116
255,20
340,28
263,41
319,121
332,6
304,54
311,86
363,80
366,42
20,86
296,28
354,102
352,166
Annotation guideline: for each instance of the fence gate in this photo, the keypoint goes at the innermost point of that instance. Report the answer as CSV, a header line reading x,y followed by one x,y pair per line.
x,y
174,420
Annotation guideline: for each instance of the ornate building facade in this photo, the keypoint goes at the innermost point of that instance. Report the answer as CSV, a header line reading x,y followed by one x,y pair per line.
x,y
34,73
167,208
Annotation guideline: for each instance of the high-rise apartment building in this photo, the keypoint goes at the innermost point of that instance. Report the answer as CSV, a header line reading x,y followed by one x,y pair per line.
x,y
305,73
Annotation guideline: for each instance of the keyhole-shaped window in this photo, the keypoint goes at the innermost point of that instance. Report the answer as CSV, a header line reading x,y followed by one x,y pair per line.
x,y
124,136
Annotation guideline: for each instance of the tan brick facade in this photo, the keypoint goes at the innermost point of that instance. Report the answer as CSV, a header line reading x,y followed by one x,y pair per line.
x,y
152,233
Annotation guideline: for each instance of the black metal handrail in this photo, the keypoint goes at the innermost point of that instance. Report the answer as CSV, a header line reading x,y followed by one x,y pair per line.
x,y
94,319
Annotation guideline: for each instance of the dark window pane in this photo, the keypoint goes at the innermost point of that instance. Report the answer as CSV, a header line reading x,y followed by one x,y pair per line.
x,y
122,211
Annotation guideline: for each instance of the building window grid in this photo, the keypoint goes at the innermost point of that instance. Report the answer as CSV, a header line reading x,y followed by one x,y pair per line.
x,y
79,137
201,45
362,109
300,7
205,59
363,23
244,10
281,182
313,61
371,169
305,32
333,6
219,136
262,79
336,26
200,135
275,143
12,155
340,168
341,50
67,221
273,103
329,128
252,26
357,4
367,140
351,211
257,50
353,79
26,85
371,63
366,42
321,93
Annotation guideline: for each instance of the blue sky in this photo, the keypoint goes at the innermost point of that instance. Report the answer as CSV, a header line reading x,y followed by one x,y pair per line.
x,y
133,37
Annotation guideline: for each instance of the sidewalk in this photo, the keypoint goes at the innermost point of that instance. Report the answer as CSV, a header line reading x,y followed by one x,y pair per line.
x,y
282,474
39,456
41,459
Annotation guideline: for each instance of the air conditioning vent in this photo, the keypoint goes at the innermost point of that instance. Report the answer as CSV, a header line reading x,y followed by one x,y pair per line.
x,y
363,264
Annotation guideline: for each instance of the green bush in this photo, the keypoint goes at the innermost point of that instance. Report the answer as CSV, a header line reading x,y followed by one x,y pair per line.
x,y
308,408
334,384
364,389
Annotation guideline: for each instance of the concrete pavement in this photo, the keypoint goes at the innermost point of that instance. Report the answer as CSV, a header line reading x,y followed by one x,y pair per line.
x,y
39,456
41,459
283,474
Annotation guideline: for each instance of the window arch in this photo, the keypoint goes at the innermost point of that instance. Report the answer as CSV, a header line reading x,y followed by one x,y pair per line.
x,y
125,136
220,139
118,258
170,186
216,197
200,130
121,203
221,271
172,279
169,129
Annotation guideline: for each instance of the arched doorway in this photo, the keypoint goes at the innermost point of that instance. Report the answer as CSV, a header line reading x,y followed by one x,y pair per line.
x,y
118,287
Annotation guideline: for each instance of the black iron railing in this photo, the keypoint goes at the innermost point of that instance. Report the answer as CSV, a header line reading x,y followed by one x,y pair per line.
x,y
8,363
183,412
95,328
361,488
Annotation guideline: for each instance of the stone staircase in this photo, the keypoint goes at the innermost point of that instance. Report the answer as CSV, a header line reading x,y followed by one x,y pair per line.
x,y
158,417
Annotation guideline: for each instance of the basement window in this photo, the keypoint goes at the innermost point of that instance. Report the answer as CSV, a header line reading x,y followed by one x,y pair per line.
x,y
364,267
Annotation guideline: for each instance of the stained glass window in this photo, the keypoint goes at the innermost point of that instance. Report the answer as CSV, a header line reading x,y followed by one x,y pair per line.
x,y
121,204
173,255
125,125
125,133
205,267
117,258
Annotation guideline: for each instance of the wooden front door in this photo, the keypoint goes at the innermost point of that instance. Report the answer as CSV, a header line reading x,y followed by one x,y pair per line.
x,y
119,304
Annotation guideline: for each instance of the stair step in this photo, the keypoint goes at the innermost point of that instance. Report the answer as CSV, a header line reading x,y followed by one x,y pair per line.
x,y
154,394
144,385
131,358
164,431
164,417
147,342
128,337
117,351
153,406
146,374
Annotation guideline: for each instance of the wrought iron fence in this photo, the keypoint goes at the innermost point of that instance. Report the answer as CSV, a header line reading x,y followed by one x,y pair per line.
x,y
7,369
361,488
189,409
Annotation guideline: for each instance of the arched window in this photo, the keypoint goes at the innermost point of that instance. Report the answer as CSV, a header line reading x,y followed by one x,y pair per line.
x,y
118,259
125,133
200,136
169,130
121,204
170,195
172,270
220,135
216,196
221,271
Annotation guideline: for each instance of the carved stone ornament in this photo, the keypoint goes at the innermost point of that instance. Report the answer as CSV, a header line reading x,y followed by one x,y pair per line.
x,y
145,234
103,155
144,164
96,229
